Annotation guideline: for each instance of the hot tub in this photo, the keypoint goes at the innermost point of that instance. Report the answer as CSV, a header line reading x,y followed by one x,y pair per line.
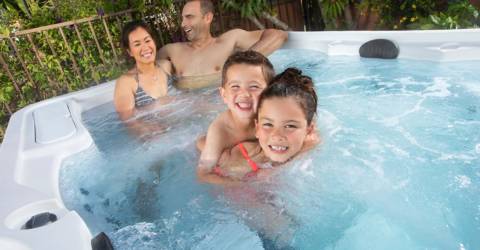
x,y
40,136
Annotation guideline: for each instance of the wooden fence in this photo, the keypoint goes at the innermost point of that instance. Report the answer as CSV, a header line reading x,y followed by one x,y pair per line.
x,y
288,11
27,56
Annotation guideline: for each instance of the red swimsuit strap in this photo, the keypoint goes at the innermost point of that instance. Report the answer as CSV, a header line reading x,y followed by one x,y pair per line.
x,y
245,155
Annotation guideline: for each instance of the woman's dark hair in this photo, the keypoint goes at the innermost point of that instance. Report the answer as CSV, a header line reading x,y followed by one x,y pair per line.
x,y
249,57
130,27
291,83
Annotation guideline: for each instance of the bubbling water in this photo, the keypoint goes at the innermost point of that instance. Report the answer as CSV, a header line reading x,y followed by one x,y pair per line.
x,y
398,168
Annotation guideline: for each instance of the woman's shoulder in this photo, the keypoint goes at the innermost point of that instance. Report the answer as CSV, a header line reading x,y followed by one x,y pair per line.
x,y
126,83
127,78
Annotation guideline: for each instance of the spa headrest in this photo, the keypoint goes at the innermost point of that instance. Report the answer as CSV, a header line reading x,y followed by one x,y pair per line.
x,y
379,48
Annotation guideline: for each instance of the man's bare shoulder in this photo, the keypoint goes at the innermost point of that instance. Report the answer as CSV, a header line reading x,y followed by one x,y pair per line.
x,y
173,50
174,46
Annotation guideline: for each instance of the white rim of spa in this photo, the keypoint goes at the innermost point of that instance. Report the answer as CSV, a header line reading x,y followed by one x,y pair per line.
x,y
41,135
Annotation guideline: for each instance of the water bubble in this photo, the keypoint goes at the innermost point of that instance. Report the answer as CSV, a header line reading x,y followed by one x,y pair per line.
x,y
463,181
477,148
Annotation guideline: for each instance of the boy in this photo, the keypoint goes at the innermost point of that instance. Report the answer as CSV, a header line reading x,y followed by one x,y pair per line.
x,y
244,76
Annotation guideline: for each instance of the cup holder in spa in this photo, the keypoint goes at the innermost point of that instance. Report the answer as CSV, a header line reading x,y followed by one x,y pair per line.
x,y
40,220
34,215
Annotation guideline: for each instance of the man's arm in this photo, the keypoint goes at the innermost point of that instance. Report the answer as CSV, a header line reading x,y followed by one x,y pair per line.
x,y
166,66
270,41
163,53
263,41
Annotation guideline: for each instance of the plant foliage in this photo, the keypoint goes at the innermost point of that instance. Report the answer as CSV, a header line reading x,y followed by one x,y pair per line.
x,y
400,14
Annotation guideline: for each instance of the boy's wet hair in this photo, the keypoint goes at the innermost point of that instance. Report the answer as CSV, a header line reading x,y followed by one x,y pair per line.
x,y
129,28
205,5
291,83
249,57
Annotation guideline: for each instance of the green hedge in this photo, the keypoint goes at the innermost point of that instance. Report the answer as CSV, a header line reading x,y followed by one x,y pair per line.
x,y
57,74
14,16
58,65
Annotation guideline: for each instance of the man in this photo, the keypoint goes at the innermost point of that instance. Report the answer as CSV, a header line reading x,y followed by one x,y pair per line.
x,y
198,62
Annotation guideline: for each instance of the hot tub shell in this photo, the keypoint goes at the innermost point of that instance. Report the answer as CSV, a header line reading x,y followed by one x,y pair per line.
x,y
41,135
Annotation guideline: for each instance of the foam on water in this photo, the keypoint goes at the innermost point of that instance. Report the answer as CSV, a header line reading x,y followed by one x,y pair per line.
x,y
398,168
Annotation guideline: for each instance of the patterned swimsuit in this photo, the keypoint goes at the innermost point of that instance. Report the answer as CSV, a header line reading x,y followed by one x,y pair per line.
x,y
141,97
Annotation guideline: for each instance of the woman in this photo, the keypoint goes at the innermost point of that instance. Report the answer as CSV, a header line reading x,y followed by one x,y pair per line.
x,y
147,80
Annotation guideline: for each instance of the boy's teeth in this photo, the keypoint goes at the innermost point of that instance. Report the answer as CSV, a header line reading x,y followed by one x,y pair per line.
x,y
244,105
278,148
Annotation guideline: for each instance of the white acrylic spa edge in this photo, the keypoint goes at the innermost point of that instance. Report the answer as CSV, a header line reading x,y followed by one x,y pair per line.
x,y
41,135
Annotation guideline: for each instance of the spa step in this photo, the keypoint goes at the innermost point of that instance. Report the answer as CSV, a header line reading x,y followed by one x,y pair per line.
x,y
53,123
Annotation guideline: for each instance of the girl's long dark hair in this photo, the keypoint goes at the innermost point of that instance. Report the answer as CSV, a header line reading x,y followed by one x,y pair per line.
x,y
291,83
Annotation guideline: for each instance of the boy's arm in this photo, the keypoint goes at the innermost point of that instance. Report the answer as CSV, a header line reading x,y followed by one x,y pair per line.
x,y
211,153
209,176
212,178
214,146
164,52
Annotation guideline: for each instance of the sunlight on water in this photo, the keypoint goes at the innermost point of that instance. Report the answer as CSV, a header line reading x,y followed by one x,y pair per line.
x,y
399,167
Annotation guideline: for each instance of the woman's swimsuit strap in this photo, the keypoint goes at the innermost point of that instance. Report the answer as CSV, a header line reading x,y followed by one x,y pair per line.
x,y
141,97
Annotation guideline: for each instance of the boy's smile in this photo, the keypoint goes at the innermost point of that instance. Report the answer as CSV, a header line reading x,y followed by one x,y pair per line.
x,y
242,88
244,105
